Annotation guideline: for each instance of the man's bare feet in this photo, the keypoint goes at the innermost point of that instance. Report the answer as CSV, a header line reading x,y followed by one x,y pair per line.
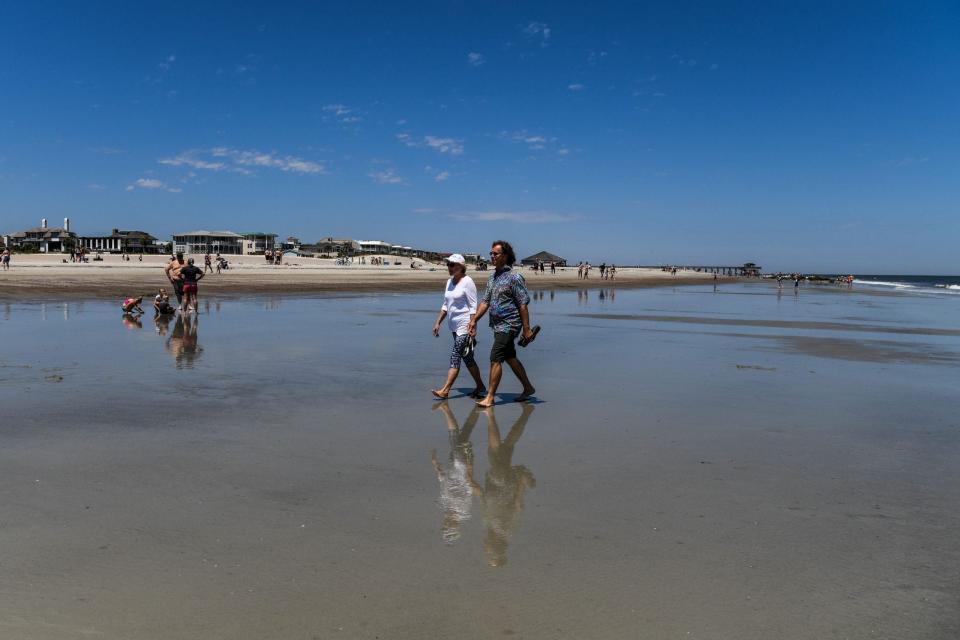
x,y
439,394
527,393
478,393
486,403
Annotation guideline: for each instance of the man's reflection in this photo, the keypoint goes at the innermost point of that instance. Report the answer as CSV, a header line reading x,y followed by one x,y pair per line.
x,y
504,486
457,486
182,343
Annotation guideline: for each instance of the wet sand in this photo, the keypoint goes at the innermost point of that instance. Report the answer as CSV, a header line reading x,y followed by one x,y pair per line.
x,y
267,472
34,277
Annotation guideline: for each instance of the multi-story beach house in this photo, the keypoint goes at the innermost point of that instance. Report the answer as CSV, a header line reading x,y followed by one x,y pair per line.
x,y
120,241
43,239
258,242
225,242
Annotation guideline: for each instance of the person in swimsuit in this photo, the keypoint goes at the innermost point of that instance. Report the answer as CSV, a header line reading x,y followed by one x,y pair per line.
x,y
191,276
131,305
207,263
173,274
459,306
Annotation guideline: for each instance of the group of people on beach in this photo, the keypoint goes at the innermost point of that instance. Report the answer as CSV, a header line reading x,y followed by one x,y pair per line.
x,y
184,277
506,299
607,272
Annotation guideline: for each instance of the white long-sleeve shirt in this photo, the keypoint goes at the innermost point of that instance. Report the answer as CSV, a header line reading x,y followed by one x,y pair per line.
x,y
460,302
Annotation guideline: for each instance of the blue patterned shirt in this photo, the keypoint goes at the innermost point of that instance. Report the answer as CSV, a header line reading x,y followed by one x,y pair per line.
x,y
505,292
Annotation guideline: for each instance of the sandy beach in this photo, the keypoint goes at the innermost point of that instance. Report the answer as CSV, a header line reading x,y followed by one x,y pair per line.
x,y
41,276
732,463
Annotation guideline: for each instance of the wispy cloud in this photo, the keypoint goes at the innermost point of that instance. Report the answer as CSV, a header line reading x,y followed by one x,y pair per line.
x,y
683,62
167,63
341,113
152,184
576,87
519,217
443,176
539,32
911,160
475,59
450,146
107,151
242,161
96,187
534,141
386,176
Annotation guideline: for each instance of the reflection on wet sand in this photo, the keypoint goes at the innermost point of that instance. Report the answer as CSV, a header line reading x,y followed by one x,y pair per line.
x,y
457,486
505,483
504,486
132,321
183,344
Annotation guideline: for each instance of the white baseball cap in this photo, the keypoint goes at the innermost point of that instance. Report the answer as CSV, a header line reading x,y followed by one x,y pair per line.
x,y
456,258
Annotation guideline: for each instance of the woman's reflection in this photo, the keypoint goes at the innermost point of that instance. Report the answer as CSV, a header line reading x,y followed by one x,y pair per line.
x,y
457,486
182,343
504,486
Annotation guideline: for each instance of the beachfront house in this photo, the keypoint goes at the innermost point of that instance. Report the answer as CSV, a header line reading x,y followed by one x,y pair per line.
x,y
257,243
120,241
336,246
200,242
43,239
375,246
545,257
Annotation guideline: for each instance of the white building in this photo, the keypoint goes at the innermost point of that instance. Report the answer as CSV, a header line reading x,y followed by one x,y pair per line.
x,y
375,246
200,242
257,243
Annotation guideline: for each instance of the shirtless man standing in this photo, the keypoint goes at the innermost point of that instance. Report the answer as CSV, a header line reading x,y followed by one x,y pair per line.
x,y
173,274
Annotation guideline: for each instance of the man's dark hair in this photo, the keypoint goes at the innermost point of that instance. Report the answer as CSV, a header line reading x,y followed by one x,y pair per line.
x,y
507,250
179,255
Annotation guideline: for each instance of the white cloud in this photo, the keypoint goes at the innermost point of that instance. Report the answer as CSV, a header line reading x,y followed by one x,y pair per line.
x,y
519,217
534,142
576,87
341,113
450,146
442,176
475,59
538,31
96,187
386,176
242,161
153,184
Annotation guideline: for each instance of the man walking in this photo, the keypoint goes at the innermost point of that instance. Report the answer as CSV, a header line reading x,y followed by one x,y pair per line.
x,y
173,274
506,298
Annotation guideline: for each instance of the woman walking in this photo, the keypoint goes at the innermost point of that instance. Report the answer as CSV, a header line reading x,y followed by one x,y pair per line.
x,y
459,307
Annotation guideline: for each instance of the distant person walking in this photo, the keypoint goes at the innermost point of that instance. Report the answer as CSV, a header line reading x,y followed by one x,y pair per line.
x,y
191,275
506,298
173,274
603,270
207,263
459,307
5,259
580,271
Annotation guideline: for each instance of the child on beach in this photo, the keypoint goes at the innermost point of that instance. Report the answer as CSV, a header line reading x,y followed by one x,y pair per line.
x,y
161,303
132,304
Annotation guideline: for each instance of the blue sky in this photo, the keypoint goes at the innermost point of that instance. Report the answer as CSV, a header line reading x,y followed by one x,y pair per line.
x,y
810,136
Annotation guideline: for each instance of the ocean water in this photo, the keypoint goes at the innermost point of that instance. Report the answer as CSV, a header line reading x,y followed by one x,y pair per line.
x,y
912,284
741,462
